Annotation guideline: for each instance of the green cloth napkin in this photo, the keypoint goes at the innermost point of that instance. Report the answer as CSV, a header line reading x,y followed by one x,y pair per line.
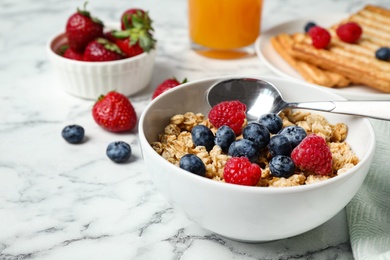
x,y
369,211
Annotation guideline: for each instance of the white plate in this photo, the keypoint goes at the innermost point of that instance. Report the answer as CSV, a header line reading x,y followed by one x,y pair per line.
x,y
273,61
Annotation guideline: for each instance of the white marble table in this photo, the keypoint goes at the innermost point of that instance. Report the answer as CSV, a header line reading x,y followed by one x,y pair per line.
x,y
62,201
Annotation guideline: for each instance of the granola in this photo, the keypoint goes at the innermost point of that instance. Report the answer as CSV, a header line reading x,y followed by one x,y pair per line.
x,y
176,141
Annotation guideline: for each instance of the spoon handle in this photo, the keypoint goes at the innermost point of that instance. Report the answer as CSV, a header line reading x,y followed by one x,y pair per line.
x,y
378,109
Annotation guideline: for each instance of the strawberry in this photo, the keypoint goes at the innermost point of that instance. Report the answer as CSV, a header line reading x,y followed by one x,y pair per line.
x,y
71,54
166,85
114,112
136,14
136,36
68,53
81,28
108,35
130,50
101,49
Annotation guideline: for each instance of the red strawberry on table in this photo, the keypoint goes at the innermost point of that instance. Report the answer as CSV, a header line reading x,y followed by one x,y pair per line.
x,y
166,85
81,28
101,49
114,112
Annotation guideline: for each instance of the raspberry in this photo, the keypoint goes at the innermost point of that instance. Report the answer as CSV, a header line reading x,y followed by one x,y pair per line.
x,y
314,155
230,113
239,170
349,32
320,37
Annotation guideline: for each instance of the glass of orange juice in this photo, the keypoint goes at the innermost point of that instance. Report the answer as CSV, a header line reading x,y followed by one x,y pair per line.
x,y
224,29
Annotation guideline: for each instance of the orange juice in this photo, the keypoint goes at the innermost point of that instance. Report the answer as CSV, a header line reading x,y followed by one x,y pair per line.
x,y
224,25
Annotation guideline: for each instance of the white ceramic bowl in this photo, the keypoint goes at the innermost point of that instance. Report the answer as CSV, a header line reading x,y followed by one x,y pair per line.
x,y
252,213
91,79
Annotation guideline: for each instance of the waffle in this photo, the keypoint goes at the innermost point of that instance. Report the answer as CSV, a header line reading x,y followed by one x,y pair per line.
x,y
311,73
349,63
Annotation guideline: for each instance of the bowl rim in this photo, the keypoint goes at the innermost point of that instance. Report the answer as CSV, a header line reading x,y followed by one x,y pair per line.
x,y
107,25
253,189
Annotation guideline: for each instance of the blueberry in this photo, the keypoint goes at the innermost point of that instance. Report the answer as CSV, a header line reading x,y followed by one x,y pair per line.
x,y
279,145
224,137
272,121
202,136
118,151
192,163
73,134
244,147
257,133
383,53
308,26
295,134
281,166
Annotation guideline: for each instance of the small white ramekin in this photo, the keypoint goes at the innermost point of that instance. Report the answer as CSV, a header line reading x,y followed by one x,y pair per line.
x,y
89,80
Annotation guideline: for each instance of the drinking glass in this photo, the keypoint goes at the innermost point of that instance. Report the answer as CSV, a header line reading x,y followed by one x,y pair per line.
x,y
224,29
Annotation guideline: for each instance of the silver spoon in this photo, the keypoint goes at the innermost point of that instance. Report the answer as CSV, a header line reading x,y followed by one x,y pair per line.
x,y
262,97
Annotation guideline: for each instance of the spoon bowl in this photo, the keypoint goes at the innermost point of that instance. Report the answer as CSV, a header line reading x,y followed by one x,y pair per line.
x,y
251,214
262,97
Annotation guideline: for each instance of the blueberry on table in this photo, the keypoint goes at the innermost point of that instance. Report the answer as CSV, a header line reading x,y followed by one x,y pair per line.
x,y
203,136
224,137
295,134
73,133
118,151
383,53
257,133
244,147
272,121
282,166
193,164
279,145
